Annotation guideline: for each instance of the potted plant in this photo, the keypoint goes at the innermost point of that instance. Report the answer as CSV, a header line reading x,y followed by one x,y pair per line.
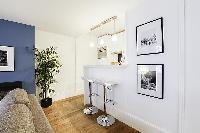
x,y
47,66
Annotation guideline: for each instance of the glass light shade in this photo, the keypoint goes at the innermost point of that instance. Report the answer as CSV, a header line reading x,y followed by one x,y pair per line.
x,y
101,42
114,38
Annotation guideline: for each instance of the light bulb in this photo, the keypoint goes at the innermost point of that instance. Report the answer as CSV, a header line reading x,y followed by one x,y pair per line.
x,y
101,42
114,38
91,44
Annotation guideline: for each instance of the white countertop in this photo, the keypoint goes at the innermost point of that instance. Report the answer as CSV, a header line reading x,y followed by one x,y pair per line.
x,y
102,82
106,66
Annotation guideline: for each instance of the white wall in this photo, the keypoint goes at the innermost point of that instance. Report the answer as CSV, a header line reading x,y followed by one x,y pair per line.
x,y
147,114
66,50
192,93
85,55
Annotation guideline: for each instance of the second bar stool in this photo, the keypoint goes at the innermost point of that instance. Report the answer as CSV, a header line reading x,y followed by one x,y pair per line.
x,y
106,120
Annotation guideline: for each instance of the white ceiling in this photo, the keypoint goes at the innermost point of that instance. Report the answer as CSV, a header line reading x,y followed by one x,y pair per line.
x,y
69,17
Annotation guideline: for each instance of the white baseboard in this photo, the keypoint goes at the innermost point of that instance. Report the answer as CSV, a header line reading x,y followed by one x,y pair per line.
x,y
74,93
136,122
79,92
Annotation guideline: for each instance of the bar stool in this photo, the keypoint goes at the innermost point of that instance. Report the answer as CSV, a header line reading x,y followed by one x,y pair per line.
x,y
90,109
106,120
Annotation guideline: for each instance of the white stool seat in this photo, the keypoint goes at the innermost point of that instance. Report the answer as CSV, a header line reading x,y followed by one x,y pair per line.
x,y
88,79
110,83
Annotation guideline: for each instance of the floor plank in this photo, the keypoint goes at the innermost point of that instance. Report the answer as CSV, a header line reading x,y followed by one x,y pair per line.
x,y
66,116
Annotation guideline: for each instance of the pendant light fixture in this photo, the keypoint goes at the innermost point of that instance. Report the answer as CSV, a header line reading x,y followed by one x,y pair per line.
x,y
91,44
101,42
114,36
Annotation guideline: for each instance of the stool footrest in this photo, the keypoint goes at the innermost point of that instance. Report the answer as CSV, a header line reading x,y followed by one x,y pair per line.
x,y
110,101
93,94
90,110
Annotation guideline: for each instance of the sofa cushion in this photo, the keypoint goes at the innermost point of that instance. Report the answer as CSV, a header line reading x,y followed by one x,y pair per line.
x,y
16,118
16,96
39,119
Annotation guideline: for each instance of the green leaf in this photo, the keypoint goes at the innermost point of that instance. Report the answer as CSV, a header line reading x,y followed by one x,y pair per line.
x,y
47,66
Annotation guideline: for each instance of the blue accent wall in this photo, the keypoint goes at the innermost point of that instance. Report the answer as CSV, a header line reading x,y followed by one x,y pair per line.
x,y
22,37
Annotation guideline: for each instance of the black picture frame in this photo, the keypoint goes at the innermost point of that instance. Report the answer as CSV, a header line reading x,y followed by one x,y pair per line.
x,y
160,30
157,91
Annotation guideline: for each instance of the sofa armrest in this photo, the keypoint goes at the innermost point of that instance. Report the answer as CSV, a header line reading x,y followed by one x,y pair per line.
x,y
40,121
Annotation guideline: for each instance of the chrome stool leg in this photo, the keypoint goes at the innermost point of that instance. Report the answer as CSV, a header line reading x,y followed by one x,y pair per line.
x,y
90,109
105,120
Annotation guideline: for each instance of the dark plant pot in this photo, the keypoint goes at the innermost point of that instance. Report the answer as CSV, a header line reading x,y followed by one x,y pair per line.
x,y
46,102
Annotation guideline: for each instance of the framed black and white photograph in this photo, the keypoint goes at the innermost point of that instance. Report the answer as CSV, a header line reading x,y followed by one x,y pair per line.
x,y
102,52
149,37
150,80
6,58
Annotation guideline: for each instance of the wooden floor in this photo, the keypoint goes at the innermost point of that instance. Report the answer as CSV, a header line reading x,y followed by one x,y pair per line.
x,y
66,116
